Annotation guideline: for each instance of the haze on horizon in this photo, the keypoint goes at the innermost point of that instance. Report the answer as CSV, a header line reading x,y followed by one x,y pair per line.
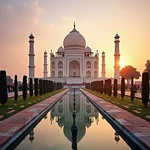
x,y
51,20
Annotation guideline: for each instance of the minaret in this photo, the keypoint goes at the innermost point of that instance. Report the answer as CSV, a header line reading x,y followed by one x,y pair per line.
x,y
45,65
117,58
103,65
31,57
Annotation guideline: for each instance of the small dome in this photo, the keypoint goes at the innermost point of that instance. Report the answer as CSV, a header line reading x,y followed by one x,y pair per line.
x,y
31,36
88,49
117,36
45,53
74,39
103,52
60,49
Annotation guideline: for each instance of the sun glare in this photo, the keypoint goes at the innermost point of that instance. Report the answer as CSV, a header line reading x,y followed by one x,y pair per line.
x,y
122,63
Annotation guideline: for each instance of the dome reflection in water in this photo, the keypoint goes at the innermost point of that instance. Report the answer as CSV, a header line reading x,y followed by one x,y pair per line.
x,y
54,131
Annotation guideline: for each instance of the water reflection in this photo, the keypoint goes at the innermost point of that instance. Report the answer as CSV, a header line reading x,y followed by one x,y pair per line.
x,y
56,130
84,112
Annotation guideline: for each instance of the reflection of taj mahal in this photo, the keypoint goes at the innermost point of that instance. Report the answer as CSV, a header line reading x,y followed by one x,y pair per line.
x,y
74,62
85,113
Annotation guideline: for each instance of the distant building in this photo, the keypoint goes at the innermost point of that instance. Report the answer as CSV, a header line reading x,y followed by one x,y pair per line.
x,y
9,80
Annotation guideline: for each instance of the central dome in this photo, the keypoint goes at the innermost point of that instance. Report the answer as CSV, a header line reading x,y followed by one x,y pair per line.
x,y
74,39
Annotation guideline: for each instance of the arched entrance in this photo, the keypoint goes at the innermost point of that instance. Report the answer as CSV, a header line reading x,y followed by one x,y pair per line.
x,y
74,69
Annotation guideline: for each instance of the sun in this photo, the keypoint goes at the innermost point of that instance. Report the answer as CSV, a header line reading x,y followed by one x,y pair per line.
x,y
122,63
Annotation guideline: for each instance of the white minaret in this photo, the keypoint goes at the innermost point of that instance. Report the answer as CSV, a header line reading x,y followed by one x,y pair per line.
x,y
45,65
117,58
31,57
103,65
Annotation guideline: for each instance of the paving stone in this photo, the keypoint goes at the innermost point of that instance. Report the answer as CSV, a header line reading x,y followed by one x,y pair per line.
x,y
11,111
147,116
113,111
123,121
126,106
136,111
21,106
10,107
142,134
139,109
1,116
15,104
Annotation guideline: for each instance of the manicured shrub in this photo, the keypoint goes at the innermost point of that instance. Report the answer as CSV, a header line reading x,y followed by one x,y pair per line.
x,y
101,86
122,87
109,87
145,88
3,87
31,87
132,90
24,87
115,88
44,87
36,87
40,87
15,88
105,87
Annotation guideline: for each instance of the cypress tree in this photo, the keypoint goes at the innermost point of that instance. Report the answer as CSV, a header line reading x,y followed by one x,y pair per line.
x,y
122,87
36,87
145,88
16,88
24,87
101,86
132,90
3,87
31,87
109,87
44,87
40,87
115,88
105,87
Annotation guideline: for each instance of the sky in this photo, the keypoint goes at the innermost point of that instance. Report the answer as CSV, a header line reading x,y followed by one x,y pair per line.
x,y
51,20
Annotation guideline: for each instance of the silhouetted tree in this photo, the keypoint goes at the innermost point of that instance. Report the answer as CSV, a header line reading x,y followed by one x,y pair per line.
x,y
132,90
24,87
145,88
31,87
109,87
3,87
36,87
128,72
15,88
115,87
122,87
40,87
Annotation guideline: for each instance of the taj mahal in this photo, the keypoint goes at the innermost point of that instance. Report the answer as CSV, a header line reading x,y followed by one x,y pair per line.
x,y
74,62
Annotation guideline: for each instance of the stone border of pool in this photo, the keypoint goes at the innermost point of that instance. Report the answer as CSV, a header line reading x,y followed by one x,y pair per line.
x,y
136,135
14,128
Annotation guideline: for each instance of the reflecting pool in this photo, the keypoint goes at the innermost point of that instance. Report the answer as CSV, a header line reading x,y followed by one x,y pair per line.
x,y
54,132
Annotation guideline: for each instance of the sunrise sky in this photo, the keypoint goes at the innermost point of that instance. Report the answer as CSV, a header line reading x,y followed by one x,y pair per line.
x,y
51,20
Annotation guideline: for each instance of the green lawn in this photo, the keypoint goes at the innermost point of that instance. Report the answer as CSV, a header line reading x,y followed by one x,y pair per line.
x,y
136,108
12,107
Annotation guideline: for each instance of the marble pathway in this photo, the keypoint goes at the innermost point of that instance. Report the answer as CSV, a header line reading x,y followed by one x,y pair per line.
x,y
134,125
15,123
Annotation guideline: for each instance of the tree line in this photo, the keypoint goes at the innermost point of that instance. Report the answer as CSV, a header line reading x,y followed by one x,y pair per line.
x,y
39,87
105,87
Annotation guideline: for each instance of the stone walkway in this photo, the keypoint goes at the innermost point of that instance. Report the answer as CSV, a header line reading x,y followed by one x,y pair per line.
x,y
15,123
133,124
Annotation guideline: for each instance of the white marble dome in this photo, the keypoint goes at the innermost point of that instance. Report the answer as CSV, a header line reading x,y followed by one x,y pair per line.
x,y
74,39
60,49
88,49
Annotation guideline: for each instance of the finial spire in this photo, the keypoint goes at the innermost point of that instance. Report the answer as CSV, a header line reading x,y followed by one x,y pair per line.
x,y
74,25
